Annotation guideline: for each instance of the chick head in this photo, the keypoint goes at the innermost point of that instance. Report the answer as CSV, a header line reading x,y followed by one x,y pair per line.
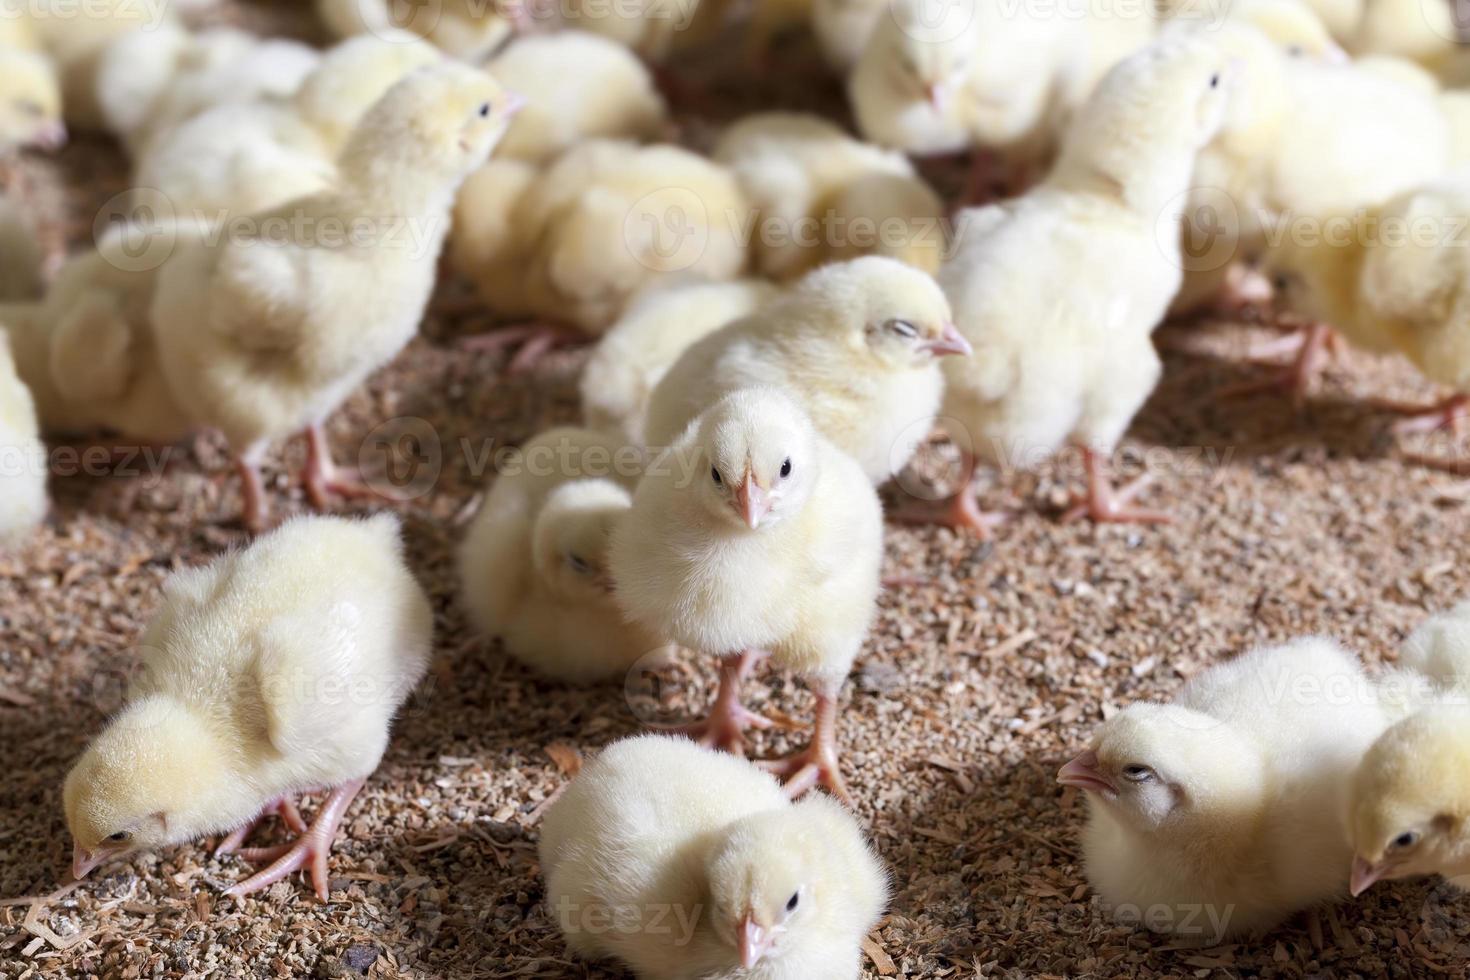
x,y
755,458
572,537
1163,769
354,75
1410,800
140,784
891,311
928,57
781,875
441,121
1293,26
30,102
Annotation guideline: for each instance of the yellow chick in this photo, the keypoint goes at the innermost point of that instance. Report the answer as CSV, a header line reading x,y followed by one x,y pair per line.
x,y
263,338
658,326
470,30
1423,32
577,86
820,195
842,29
23,460
21,256
272,672
653,28
76,45
1194,807
743,882
1293,25
856,344
573,244
30,102
533,567
754,533
1059,355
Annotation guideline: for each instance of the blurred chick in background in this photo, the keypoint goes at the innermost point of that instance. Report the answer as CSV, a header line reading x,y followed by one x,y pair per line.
x,y
533,566
470,30
570,246
1059,291
22,274
268,673
1229,799
638,350
820,195
856,344
23,459
756,886
263,338
752,532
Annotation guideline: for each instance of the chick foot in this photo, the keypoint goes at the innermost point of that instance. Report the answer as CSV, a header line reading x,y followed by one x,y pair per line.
x,y
532,342
729,719
1448,414
1108,505
282,807
254,508
323,477
1296,380
817,764
311,848
963,511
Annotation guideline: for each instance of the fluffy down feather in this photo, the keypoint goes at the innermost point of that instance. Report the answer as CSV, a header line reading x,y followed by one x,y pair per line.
x,y
23,462
21,255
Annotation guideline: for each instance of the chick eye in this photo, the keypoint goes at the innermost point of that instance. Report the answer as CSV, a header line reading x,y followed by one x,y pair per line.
x,y
1280,283
121,837
1295,51
1215,80
903,328
1137,773
714,473
579,565
786,468
1405,840
793,901
32,109
485,111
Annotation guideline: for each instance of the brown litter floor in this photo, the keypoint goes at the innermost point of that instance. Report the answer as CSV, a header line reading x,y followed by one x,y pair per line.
x,y
981,677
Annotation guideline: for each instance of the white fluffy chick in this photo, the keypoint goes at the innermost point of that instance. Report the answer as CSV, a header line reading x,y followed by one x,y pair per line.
x,y
271,672
577,86
820,195
856,344
533,566
743,882
1225,806
1061,356
23,462
76,37
470,30
754,533
21,256
262,338
658,326
573,244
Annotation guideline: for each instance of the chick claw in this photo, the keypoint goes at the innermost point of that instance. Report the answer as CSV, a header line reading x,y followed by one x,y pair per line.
x,y
817,764
323,477
1107,505
311,848
729,719
535,341
1448,414
282,807
963,512
1295,381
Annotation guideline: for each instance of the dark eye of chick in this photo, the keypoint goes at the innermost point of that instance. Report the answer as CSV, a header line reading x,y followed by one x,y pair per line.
x,y
119,837
485,111
1215,80
786,469
579,564
1407,839
714,473
1138,774
1295,51
903,328
792,902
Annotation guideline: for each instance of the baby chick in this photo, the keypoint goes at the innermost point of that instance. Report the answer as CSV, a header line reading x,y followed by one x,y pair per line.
x,y
653,28
23,467
573,244
21,256
842,28
577,86
658,326
533,567
1194,806
821,195
857,344
754,533
269,672
30,102
263,338
470,30
1060,355
742,882
76,37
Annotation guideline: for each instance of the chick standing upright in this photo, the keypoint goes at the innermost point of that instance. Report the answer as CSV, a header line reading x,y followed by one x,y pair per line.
x,y
270,672
23,461
264,339
723,877
1060,290
754,533
856,344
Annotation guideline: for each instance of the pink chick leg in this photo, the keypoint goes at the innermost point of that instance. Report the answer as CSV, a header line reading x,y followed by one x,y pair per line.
x,y
282,807
255,510
1447,414
817,764
324,477
533,342
962,511
1107,505
311,848
1296,380
729,719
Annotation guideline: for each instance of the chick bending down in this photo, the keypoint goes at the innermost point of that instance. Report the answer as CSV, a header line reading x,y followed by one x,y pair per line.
x,y
753,533
1059,291
263,338
743,883
272,672
534,565
1225,806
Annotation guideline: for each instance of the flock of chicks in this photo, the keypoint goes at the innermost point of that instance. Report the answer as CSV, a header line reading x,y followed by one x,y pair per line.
x,y
723,496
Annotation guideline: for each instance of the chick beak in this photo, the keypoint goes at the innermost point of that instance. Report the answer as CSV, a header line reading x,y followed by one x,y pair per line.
x,y
755,942
751,502
51,136
83,861
950,342
938,95
1365,875
1083,773
514,103
1335,54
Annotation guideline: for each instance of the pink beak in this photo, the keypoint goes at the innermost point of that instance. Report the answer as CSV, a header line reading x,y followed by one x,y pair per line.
x,y
1334,54
755,943
751,502
514,103
1364,876
938,96
51,136
84,861
1083,773
950,342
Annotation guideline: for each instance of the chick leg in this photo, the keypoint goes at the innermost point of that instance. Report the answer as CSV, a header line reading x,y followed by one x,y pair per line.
x,y
1106,504
255,510
1448,414
963,510
817,764
324,477
282,807
311,848
1296,380
729,719
533,341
